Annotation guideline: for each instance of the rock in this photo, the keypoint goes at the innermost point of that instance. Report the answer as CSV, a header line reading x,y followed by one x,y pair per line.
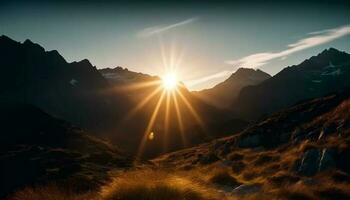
x,y
226,148
250,141
326,160
246,189
313,161
310,162
297,135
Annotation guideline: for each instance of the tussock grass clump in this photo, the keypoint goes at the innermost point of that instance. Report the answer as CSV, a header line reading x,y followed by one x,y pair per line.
x,y
156,185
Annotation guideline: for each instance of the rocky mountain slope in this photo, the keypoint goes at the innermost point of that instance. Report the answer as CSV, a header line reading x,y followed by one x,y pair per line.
x,y
223,94
298,153
36,148
73,91
325,73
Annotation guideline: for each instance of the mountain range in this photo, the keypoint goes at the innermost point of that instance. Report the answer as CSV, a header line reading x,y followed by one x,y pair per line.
x,y
297,153
290,130
319,75
101,100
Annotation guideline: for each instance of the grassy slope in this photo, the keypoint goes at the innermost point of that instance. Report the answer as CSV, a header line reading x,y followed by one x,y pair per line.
x,y
38,149
241,168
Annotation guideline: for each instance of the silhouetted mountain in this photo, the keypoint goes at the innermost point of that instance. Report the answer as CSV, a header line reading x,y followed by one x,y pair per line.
x,y
122,76
104,101
223,94
36,148
296,149
73,91
327,72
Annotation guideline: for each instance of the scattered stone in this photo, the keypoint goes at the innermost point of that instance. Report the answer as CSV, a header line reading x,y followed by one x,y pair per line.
x,y
246,189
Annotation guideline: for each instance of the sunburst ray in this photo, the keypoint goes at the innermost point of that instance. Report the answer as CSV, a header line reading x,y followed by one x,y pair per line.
x,y
191,108
141,104
179,120
149,126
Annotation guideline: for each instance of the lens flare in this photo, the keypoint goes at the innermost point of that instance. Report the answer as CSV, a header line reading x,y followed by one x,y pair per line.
x,y
151,136
169,81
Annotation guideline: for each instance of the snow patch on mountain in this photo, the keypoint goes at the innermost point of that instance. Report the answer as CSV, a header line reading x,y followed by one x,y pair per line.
x,y
332,73
73,82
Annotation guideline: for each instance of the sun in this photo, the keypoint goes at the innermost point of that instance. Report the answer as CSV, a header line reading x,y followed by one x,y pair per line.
x,y
170,81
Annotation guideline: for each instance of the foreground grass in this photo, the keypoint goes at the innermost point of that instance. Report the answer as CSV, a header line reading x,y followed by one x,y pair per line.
x,y
133,185
157,185
200,184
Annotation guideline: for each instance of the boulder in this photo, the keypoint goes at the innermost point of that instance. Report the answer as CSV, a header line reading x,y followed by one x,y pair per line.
x,y
315,160
309,165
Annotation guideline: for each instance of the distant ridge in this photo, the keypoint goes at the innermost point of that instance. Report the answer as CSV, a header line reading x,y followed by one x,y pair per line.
x,y
223,94
319,75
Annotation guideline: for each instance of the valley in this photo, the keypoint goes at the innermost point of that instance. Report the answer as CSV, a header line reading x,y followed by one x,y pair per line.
x,y
72,131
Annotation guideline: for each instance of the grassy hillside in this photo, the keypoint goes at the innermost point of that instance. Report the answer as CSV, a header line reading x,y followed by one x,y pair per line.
x,y
307,160
39,149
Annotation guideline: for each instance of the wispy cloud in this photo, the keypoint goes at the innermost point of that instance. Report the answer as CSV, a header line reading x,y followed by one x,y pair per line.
x,y
147,32
317,38
204,79
259,59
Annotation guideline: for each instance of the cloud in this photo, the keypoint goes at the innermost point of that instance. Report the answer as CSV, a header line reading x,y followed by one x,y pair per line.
x,y
317,38
204,79
147,32
259,59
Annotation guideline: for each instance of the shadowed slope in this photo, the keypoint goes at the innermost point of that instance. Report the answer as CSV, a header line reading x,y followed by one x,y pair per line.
x,y
37,148
328,72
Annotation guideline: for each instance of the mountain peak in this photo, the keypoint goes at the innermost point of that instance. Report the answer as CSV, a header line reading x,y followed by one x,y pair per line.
x,y
249,72
331,49
6,40
28,41
332,52
29,44
85,62
4,37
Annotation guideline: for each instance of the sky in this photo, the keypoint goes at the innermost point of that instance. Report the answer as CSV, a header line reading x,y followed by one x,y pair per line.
x,y
203,41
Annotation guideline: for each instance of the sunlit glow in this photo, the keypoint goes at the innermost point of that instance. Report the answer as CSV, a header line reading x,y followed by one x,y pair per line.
x,y
169,81
167,96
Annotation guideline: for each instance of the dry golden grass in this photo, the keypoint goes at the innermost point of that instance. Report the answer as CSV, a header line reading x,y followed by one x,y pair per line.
x,y
158,185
